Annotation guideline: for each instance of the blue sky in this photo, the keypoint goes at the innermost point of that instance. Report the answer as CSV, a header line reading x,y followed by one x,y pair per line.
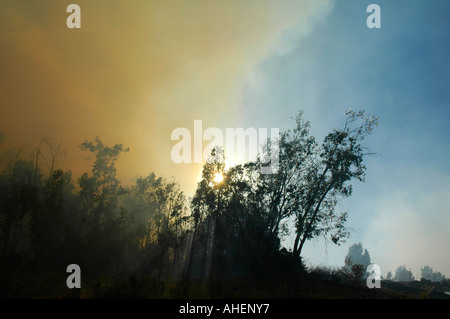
x,y
400,73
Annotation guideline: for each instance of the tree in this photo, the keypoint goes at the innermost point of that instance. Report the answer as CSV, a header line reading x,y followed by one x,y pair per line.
x,y
356,256
158,231
52,153
205,211
403,274
389,275
356,262
427,273
233,233
100,191
47,221
20,184
252,209
109,230
103,219
312,178
31,202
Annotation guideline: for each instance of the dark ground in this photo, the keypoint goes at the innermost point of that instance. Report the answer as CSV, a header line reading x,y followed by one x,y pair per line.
x,y
313,285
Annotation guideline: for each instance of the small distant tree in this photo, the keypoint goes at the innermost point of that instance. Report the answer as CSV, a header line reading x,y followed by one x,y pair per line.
x,y
428,274
357,256
403,274
389,275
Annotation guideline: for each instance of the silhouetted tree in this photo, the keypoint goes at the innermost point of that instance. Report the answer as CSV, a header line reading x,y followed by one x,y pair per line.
x,y
31,203
389,275
314,178
100,191
356,262
403,274
235,225
206,209
103,219
47,221
20,184
356,255
427,273
251,208
159,225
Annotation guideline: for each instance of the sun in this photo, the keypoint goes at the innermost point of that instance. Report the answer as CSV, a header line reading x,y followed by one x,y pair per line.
x,y
218,178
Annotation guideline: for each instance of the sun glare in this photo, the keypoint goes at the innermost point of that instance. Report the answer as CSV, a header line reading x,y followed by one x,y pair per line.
x,y
218,177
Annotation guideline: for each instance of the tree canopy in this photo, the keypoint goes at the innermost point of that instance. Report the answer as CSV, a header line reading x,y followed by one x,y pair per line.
x,y
233,225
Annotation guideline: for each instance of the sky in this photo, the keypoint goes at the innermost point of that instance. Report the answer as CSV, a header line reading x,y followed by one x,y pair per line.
x,y
137,70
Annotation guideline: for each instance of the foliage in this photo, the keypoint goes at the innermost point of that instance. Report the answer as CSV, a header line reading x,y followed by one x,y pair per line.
x,y
48,222
427,273
230,229
403,274
356,262
389,275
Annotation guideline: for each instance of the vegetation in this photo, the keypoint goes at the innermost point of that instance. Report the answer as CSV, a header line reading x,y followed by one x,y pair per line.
x,y
403,274
356,262
427,273
147,240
